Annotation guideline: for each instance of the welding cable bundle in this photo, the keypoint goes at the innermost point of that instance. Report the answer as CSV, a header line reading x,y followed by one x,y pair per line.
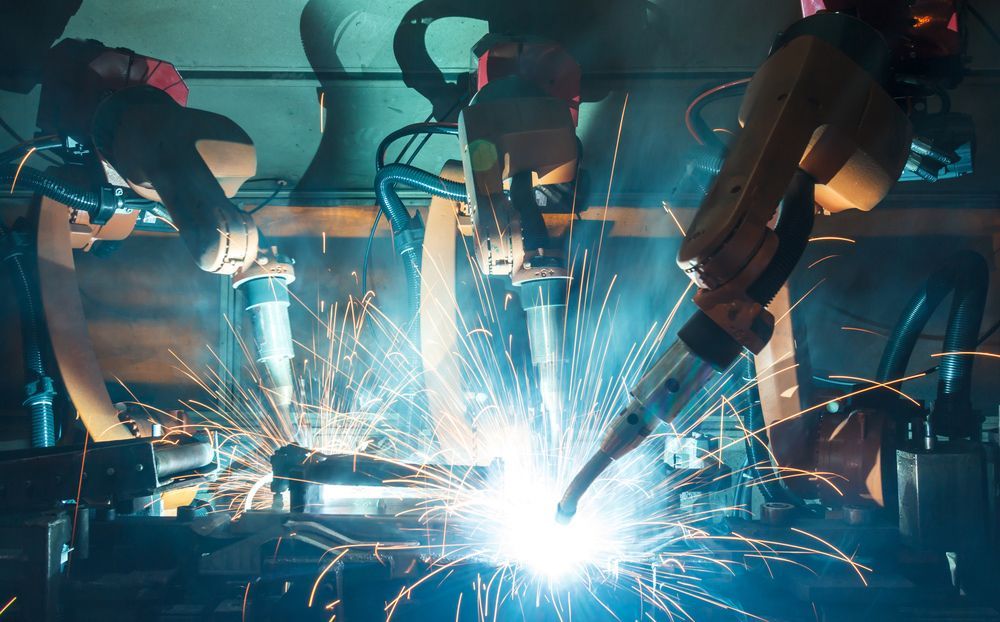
x,y
31,179
966,275
408,231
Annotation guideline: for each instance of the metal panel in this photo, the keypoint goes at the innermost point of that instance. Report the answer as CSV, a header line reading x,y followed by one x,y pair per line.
x,y
942,496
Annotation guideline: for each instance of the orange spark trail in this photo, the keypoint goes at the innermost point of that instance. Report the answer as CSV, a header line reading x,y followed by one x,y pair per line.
x,y
246,595
680,227
869,381
79,491
819,261
832,238
804,296
17,173
611,178
986,354
862,330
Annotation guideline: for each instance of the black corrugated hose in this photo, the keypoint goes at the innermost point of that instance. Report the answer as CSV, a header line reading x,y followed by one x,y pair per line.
x,y
414,129
32,179
795,223
407,231
39,391
533,230
966,275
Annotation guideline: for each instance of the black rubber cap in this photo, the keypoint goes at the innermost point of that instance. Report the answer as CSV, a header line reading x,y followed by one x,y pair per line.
x,y
708,341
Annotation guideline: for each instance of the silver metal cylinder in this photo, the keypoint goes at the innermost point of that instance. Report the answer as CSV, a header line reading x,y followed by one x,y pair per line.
x,y
181,458
672,381
267,304
544,302
545,340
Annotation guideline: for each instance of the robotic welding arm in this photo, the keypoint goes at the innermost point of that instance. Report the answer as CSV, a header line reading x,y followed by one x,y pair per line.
x,y
520,129
193,161
190,160
818,127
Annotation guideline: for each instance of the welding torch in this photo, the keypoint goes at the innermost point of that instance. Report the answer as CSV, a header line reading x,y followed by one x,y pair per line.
x,y
265,288
509,132
819,129
663,391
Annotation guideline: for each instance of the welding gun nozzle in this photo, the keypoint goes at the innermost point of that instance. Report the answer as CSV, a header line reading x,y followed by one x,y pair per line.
x,y
584,478
564,515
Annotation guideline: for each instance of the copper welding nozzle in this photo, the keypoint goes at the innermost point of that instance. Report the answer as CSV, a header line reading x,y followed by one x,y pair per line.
x,y
597,464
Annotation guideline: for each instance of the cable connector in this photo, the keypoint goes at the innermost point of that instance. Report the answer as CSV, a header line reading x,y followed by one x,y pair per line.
x,y
40,391
410,239
110,199
13,243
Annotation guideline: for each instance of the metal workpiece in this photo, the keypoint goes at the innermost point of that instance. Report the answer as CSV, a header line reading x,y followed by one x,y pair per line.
x,y
114,472
858,446
35,551
860,515
303,473
662,393
777,513
942,497
173,459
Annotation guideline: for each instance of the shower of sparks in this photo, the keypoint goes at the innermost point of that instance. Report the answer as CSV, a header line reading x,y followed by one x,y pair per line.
x,y
359,386
662,536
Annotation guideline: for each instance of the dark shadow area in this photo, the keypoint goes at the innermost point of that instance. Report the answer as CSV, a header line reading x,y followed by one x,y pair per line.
x,y
321,26
604,38
608,39
27,31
